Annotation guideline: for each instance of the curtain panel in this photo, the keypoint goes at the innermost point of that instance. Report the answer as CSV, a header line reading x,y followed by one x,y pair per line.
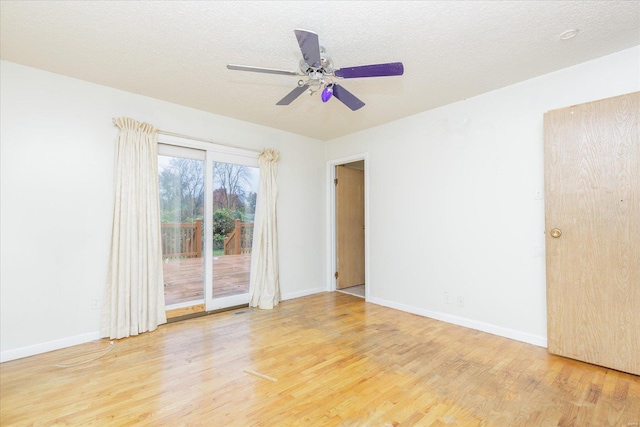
x,y
265,271
134,293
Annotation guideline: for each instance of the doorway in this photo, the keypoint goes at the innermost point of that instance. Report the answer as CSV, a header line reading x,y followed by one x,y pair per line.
x,y
207,200
348,226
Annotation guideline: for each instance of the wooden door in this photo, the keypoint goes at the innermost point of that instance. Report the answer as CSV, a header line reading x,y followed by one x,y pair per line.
x,y
349,227
592,186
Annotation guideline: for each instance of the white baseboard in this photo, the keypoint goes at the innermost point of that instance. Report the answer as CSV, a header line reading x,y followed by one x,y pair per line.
x,y
300,294
32,350
467,323
539,341
45,347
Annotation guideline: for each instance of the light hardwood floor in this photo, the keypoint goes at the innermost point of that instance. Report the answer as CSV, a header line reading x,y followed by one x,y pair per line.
x,y
338,361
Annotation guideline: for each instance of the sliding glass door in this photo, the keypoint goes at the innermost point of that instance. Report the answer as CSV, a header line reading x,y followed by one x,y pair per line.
x,y
235,189
181,179
208,201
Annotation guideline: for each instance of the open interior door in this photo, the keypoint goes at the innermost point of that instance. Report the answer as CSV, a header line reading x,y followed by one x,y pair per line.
x,y
349,227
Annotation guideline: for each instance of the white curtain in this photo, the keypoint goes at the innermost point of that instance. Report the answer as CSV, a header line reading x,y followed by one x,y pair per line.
x,y
265,275
134,294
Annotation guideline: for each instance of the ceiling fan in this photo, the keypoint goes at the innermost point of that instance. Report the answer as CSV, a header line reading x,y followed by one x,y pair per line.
x,y
318,73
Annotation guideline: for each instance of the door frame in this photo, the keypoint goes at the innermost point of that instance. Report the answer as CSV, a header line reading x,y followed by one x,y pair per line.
x,y
213,153
331,220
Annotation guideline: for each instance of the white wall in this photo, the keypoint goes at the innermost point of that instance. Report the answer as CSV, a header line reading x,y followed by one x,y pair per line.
x,y
56,200
452,200
463,175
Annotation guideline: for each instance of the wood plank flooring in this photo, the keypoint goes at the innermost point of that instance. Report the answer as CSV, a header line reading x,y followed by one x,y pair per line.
x,y
338,361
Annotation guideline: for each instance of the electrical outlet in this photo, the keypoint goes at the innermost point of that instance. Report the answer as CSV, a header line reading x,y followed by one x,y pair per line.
x,y
96,303
460,301
447,300
538,194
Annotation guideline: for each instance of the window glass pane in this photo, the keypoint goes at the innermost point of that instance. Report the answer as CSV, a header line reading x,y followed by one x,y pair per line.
x,y
181,183
235,190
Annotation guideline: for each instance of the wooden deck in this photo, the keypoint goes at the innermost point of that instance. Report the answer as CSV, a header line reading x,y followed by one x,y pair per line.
x,y
184,278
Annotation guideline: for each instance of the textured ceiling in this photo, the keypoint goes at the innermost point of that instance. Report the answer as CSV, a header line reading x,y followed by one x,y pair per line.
x,y
178,50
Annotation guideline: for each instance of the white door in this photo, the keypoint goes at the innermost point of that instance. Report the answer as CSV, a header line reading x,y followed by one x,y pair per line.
x,y
234,190
207,200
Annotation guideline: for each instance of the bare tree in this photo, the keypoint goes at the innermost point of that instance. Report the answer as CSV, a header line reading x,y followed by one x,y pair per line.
x,y
182,190
230,182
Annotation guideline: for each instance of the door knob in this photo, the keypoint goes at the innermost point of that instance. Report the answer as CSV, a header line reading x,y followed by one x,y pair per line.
x,y
556,232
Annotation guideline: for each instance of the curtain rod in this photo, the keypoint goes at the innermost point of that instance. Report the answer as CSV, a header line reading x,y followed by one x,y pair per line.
x,y
194,138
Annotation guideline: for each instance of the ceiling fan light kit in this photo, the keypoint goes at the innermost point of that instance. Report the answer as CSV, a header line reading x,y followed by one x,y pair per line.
x,y
317,69
327,92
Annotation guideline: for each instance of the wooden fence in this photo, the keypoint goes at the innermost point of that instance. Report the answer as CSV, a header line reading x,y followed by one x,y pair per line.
x,y
182,240
239,241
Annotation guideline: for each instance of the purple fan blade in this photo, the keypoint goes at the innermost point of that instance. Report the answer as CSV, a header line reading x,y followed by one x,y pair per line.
x,y
293,95
375,70
347,98
310,47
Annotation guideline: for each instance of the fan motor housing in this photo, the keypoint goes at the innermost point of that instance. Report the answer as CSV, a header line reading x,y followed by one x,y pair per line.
x,y
326,66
